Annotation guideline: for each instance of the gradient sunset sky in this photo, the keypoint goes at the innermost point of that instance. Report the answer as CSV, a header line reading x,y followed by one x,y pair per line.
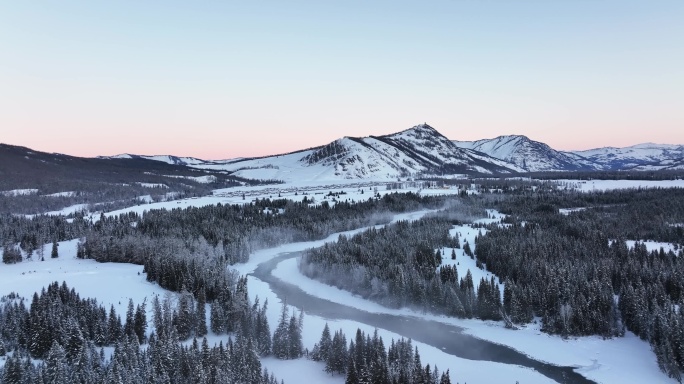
x,y
222,79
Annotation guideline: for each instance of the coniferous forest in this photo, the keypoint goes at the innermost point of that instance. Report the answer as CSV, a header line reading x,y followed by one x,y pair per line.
x,y
574,271
59,337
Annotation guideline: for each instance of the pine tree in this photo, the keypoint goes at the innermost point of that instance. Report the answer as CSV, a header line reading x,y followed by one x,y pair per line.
x,y
13,371
263,331
295,347
54,254
184,316
324,345
129,329
217,318
467,250
75,342
337,361
445,379
201,314
281,342
418,374
11,254
56,364
352,375
114,330
140,322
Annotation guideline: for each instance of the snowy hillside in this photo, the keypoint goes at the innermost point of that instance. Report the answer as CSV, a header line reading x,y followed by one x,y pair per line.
x,y
419,150
647,156
533,156
422,150
168,159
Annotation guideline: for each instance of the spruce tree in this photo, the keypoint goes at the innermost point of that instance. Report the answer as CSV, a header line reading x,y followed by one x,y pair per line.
x,y
281,342
54,254
324,345
201,315
296,347
140,322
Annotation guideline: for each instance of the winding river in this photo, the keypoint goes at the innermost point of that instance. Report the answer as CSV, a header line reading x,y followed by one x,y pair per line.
x,y
419,329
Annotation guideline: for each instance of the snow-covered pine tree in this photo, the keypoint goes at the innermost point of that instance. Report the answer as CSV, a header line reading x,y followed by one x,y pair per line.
x,y
281,341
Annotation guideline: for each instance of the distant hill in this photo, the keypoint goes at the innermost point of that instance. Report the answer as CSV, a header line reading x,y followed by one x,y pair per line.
x,y
530,155
33,181
648,156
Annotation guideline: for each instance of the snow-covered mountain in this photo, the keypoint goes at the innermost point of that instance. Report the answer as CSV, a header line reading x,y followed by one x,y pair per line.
x,y
530,155
422,151
646,156
168,159
419,150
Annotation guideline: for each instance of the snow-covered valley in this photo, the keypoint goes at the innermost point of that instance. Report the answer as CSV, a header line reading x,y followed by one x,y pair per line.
x,y
620,359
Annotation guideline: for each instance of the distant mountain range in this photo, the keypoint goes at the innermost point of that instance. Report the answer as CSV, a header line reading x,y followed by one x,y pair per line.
x,y
530,155
535,156
422,150
417,151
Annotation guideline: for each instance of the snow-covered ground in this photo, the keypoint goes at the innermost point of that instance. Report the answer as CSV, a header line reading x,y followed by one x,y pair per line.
x,y
351,191
567,211
653,245
61,194
200,179
110,283
19,192
65,211
153,185
607,185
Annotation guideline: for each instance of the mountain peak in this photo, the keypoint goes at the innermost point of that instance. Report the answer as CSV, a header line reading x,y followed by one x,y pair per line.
x,y
422,127
420,131
520,137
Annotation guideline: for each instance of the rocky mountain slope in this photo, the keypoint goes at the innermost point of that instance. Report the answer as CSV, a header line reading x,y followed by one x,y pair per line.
x,y
532,156
419,150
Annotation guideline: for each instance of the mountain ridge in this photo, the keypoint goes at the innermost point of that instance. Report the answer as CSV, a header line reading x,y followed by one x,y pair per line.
x,y
419,150
531,155
422,150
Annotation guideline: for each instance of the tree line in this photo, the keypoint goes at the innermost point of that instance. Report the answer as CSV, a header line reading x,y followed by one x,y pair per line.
x,y
366,360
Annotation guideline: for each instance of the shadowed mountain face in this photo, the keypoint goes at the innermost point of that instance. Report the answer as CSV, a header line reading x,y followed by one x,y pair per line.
x,y
33,181
417,150
22,167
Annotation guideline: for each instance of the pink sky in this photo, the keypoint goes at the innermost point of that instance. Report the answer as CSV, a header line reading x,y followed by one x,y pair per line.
x,y
220,80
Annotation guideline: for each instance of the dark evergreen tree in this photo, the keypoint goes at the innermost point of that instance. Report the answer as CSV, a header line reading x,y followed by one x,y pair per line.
x,y
140,322
281,341
54,253
201,315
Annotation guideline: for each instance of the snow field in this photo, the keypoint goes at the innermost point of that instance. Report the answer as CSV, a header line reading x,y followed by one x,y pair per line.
x,y
607,185
109,283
